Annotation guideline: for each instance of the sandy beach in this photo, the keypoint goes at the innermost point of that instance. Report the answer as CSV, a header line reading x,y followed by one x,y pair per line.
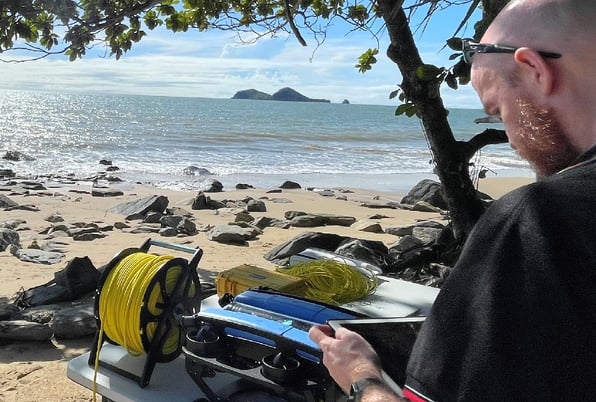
x,y
34,371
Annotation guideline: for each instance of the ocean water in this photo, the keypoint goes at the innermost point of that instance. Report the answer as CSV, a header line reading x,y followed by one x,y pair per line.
x,y
152,140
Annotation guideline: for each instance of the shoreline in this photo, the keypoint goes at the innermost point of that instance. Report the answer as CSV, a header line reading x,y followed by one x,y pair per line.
x,y
36,371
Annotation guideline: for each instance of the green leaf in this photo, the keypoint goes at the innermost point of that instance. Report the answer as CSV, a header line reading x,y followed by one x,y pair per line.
x,y
455,43
428,72
451,81
366,60
401,109
411,110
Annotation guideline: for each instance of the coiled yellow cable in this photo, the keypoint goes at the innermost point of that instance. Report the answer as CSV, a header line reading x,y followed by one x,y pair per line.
x,y
332,282
122,303
122,295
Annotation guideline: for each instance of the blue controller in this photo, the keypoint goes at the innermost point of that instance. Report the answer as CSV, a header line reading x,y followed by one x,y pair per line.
x,y
273,319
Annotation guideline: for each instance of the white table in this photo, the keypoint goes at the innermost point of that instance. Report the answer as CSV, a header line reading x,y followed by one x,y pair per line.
x,y
171,382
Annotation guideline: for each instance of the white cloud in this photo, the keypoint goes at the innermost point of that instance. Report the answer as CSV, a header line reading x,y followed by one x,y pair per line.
x,y
214,64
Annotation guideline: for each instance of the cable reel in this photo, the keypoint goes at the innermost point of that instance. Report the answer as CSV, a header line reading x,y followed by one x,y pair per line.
x,y
139,301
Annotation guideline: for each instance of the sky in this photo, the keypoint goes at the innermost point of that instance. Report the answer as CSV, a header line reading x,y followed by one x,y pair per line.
x,y
214,64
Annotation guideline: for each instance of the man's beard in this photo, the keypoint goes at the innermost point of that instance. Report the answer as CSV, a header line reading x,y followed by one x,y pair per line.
x,y
542,141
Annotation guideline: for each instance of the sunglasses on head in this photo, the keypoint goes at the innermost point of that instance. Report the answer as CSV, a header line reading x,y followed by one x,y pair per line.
x,y
470,48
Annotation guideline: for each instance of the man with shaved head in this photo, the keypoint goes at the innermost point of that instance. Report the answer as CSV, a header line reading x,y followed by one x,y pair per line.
x,y
516,319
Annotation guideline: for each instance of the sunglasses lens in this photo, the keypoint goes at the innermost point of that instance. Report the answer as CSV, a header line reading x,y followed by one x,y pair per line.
x,y
467,51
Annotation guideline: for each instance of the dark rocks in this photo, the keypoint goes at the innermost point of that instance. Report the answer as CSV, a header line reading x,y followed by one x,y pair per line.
x,y
167,232
408,230
7,310
368,251
375,204
16,156
54,218
8,237
88,236
231,234
290,185
301,219
325,241
157,203
244,217
7,173
180,224
423,206
211,186
152,217
6,202
256,206
31,208
281,201
429,191
367,226
202,201
38,256
106,192
13,224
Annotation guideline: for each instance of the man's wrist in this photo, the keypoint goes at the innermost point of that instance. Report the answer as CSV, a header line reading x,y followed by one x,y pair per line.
x,y
358,388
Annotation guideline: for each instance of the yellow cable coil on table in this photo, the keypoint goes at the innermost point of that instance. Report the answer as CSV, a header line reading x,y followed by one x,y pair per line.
x,y
333,282
122,300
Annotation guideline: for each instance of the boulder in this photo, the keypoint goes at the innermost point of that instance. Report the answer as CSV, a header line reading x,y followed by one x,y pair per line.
x,y
156,203
312,220
325,241
7,173
233,234
370,251
38,256
256,206
290,185
426,190
211,186
6,202
16,156
367,226
106,192
8,237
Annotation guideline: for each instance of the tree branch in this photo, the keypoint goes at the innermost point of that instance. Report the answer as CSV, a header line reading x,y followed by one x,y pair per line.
x,y
290,19
490,136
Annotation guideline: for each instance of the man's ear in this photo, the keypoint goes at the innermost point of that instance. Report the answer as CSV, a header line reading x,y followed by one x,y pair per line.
x,y
535,69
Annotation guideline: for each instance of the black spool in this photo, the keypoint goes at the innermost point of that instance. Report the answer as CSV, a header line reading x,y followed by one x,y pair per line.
x,y
175,304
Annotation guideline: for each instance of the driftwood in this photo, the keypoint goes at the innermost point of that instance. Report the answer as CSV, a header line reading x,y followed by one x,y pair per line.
x,y
25,330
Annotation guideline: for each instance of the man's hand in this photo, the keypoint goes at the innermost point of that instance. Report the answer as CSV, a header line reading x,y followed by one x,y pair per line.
x,y
347,355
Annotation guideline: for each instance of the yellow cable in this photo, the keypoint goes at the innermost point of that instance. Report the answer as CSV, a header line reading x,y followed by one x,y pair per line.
x,y
121,303
333,282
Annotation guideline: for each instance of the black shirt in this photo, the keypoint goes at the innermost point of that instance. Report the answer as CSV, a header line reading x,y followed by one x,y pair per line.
x,y
516,320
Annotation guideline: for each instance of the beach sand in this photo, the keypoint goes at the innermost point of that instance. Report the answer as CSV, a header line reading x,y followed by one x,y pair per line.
x,y
36,371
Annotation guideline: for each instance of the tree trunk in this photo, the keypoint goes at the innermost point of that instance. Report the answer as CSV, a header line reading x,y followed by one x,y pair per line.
x,y
450,156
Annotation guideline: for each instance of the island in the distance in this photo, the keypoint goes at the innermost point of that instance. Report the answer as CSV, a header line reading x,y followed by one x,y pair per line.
x,y
284,94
